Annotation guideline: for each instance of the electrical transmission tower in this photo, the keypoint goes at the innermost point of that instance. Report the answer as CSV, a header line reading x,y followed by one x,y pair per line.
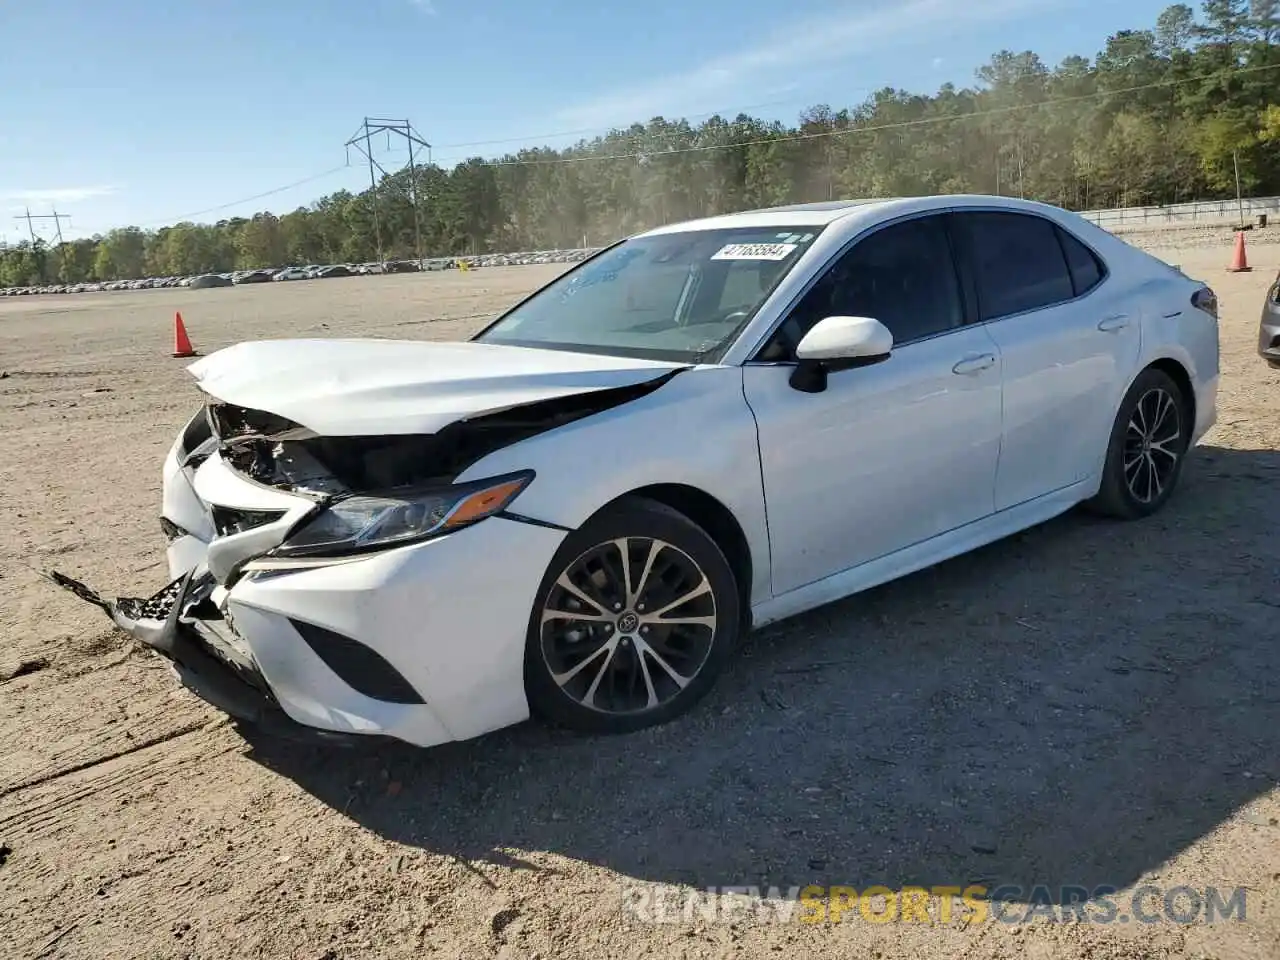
x,y
362,141
55,216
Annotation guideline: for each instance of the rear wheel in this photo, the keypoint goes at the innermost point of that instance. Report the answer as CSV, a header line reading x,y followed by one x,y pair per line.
x,y
634,620
1149,443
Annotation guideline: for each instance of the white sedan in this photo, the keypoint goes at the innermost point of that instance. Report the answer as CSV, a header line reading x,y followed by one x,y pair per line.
x,y
701,429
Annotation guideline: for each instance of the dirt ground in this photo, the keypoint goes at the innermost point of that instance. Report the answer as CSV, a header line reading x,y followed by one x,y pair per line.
x,y
1087,703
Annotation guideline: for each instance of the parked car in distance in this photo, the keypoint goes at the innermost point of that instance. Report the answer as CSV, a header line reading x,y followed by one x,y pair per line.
x,y
566,515
1269,326
254,276
210,280
292,273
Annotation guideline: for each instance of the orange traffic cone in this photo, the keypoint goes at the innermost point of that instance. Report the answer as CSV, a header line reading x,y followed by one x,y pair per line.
x,y
181,344
1239,262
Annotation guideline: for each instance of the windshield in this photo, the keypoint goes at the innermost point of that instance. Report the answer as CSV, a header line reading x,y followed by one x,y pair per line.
x,y
675,296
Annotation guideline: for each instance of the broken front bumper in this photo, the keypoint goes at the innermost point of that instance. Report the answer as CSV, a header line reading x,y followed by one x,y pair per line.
x,y
423,643
219,678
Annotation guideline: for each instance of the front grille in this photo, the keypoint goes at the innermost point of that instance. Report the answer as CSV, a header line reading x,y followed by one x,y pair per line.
x,y
227,520
155,607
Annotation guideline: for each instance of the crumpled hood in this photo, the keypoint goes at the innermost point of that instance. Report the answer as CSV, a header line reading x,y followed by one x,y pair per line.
x,y
369,387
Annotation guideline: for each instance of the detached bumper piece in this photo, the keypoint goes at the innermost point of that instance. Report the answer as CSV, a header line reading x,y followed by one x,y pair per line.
x,y
241,692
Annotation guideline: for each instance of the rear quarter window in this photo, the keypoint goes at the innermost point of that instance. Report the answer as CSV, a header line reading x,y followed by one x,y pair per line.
x,y
1086,269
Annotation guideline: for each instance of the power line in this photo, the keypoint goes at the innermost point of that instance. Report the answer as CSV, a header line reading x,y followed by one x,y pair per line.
x,y
601,131
256,196
705,148
876,128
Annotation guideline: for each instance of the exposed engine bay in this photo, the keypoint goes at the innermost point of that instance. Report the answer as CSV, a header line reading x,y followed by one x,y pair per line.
x,y
277,452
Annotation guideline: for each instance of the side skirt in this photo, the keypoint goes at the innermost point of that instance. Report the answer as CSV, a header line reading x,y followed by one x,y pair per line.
x,y
924,554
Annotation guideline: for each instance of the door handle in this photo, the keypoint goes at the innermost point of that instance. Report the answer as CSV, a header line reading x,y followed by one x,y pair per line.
x,y
972,365
1117,322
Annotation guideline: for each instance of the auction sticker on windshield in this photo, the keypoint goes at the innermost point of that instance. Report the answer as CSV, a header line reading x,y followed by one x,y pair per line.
x,y
754,251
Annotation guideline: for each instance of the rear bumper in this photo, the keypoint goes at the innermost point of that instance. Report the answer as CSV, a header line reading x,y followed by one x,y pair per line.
x,y
1206,408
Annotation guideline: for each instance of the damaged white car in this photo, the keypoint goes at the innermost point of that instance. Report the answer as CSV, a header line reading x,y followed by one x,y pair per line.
x,y
703,428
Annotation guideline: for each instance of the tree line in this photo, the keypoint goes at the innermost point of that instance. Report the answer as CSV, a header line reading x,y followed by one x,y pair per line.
x,y
1161,115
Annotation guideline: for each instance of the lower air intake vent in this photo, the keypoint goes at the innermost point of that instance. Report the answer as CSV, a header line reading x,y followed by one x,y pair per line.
x,y
359,667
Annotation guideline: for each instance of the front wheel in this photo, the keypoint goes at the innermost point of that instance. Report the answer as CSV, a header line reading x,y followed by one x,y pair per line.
x,y
634,620
1149,442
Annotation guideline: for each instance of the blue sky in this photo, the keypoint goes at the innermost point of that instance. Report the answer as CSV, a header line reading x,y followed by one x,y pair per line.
x,y
146,111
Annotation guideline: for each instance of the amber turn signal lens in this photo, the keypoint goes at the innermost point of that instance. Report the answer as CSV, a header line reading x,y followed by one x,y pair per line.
x,y
484,503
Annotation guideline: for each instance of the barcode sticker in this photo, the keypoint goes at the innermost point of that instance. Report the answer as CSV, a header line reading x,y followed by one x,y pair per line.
x,y
754,251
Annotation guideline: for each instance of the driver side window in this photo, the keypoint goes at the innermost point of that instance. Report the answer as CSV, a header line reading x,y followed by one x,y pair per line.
x,y
904,276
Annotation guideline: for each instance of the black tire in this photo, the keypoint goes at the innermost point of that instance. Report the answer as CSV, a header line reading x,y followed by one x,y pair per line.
x,y
1143,403
564,646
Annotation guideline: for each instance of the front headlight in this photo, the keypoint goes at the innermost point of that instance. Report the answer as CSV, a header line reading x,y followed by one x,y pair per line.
x,y
360,523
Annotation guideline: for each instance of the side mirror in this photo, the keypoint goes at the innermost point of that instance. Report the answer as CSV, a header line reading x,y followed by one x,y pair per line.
x,y
839,343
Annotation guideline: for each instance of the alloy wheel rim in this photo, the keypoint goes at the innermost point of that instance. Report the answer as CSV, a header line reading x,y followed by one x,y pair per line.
x,y
628,625
1152,445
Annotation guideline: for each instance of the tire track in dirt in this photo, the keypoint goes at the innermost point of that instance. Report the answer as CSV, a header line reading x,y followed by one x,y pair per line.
x,y
88,718
66,771
53,800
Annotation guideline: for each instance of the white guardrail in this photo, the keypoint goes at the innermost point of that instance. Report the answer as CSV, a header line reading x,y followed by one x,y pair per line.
x,y
1207,212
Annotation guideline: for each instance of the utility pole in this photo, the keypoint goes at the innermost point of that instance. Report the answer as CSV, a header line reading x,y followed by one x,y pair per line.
x,y
1235,158
30,229
57,219
55,216
362,141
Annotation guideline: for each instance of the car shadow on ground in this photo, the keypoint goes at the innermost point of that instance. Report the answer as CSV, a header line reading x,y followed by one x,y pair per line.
x,y
1073,705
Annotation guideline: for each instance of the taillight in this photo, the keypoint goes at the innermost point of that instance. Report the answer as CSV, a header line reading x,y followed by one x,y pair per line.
x,y
1206,300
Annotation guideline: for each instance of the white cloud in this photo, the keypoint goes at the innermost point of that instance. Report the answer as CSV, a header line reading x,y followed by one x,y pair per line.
x,y
836,36
426,6
58,194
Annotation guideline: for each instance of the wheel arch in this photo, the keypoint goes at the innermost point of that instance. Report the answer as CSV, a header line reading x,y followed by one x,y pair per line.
x,y
1178,373
1110,499
717,520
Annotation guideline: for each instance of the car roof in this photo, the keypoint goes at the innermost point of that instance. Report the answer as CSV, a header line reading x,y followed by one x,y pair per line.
x,y
796,214
865,210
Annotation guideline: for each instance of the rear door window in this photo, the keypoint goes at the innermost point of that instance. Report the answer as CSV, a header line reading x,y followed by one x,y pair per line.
x,y
1017,261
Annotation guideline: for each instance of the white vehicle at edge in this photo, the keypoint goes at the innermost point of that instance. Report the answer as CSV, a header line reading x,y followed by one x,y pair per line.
x,y
703,428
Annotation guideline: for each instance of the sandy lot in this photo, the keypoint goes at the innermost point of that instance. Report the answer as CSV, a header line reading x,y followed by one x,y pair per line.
x,y
1087,703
